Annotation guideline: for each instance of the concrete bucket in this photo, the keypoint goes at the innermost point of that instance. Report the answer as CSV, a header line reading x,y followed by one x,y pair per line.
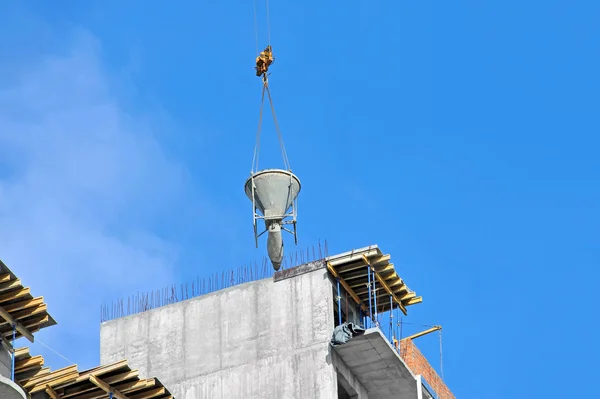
x,y
273,191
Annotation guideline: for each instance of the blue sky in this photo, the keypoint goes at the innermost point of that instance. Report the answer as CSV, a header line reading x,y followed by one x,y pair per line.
x,y
462,138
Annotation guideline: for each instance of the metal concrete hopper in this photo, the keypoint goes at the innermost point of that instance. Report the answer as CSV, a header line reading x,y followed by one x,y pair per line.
x,y
273,192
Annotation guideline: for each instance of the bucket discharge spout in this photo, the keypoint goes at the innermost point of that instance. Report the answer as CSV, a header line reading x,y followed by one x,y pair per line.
x,y
274,242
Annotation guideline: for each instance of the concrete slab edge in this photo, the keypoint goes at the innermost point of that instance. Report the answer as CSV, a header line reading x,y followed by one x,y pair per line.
x,y
299,270
10,390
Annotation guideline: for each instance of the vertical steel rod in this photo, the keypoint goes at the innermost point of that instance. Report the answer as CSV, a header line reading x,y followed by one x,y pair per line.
x,y
370,307
375,298
360,316
339,301
391,318
14,337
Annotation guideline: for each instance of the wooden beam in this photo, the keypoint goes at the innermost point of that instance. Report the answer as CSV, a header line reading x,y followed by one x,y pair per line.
x,y
20,328
4,277
26,313
51,392
5,343
132,386
10,296
381,259
32,326
29,375
414,301
350,291
26,364
407,296
20,352
121,377
357,263
9,285
101,370
420,334
55,378
150,394
385,268
25,304
389,291
106,388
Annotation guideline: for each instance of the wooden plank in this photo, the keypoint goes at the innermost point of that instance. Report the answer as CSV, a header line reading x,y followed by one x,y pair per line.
x,y
132,386
150,394
382,259
121,377
106,388
91,392
356,263
9,285
55,382
100,370
4,277
96,394
8,317
389,291
28,363
27,303
80,390
50,376
22,352
23,314
407,296
10,296
31,375
414,301
25,329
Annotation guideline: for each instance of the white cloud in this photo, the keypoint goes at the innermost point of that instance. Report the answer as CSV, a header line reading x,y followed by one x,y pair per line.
x,y
81,181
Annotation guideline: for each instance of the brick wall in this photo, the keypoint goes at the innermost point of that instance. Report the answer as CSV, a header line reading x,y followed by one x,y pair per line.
x,y
419,365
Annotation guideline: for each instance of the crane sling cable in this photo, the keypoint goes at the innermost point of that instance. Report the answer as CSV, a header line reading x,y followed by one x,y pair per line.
x,y
286,162
266,58
268,25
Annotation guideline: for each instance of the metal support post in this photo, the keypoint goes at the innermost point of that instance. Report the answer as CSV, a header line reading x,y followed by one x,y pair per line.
x,y
375,298
391,318
339,301
361,316
370,307
14,337
400,335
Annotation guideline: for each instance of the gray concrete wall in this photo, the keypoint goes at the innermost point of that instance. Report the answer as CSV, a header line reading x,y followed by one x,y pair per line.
x,y
5,362
262,339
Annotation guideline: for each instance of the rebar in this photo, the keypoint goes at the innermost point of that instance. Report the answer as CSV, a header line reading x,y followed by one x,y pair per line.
x,y
142,302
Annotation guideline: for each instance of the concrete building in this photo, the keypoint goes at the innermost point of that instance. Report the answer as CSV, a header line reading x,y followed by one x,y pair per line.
x,y
270,338
23,376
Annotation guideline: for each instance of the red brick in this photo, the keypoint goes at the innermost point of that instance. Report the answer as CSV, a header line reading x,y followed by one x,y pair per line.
x,y
415,360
